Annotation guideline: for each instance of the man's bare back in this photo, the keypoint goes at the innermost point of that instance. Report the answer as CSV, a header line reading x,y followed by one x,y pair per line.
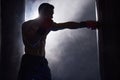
x,y
34,36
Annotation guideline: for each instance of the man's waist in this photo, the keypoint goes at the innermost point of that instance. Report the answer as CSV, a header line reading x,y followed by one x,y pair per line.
x,y
28,58
36,52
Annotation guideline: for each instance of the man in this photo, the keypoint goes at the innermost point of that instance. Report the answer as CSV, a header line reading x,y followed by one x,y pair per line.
x,y
34,65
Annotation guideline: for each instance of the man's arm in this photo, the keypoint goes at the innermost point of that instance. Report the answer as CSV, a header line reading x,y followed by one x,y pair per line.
x,y
74,25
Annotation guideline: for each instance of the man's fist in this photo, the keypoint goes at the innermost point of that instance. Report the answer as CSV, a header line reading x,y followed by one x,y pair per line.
x,y
92,24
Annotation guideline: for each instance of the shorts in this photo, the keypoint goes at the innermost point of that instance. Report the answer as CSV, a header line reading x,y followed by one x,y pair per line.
x,y
34,68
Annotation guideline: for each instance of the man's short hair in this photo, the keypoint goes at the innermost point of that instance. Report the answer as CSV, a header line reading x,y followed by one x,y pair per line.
x,y
45,6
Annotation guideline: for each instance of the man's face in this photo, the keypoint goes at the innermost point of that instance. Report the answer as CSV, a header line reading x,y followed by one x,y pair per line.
x,y
48,13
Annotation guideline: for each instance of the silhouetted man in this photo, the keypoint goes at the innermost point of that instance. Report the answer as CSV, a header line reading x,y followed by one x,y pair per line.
x,y
34,65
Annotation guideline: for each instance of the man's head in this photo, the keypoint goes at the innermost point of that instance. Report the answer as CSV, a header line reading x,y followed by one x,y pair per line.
x,y
46,10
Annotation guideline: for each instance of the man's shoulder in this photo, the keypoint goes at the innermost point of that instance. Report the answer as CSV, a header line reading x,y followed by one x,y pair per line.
x,y
26,25
28,22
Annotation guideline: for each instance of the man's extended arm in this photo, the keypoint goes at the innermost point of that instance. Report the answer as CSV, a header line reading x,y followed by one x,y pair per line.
x,y
74,25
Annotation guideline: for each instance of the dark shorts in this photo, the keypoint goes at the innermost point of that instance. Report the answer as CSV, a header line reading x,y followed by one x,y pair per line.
x,y
34,68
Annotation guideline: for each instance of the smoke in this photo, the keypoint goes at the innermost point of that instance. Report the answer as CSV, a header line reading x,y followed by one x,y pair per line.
x,y
72,54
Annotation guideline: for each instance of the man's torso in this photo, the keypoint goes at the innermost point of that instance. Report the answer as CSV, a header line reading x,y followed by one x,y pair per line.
x,y
34,35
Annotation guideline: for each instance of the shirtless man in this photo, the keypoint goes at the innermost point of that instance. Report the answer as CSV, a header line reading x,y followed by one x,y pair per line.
x,y
34,65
